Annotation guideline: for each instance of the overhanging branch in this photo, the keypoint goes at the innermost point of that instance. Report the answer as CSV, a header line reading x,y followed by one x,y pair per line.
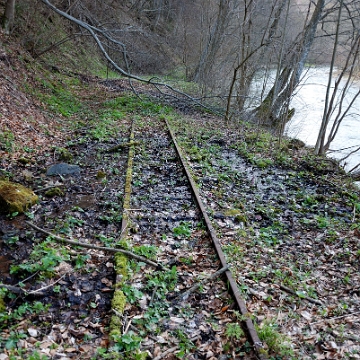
x,y
96,32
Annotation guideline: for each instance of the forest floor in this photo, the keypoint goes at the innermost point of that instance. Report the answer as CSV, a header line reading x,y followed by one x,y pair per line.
x,y
288,222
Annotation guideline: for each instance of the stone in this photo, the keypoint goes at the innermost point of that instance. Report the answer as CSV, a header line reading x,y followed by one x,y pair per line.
x,y
15,197
63,169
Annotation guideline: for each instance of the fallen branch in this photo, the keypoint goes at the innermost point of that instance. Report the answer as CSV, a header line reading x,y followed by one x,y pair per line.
x,y
46,287
17,290
335,318
186,294
102,248
314,301
37,292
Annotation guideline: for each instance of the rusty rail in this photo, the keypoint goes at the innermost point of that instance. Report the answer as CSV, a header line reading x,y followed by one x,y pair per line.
x,y
232,283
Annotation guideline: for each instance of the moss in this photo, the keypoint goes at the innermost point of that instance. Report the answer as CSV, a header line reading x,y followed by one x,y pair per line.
x,y
54,192
115,326
15,197
65,154
119,301
232,212
118,305
124,243
101,175
2,304
24,160
121,262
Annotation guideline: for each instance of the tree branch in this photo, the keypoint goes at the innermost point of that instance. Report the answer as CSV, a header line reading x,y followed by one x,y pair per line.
x,y
89,246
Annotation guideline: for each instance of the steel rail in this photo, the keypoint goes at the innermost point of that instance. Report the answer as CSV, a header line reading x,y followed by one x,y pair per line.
x,y
258,345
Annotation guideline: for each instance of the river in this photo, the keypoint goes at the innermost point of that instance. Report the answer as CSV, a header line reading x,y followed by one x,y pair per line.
x,y
309,104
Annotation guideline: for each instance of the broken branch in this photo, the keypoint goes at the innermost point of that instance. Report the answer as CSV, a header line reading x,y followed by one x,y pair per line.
x,y
90,246
314,301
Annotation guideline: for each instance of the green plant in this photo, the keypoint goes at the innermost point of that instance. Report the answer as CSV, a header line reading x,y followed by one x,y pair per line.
x,y
163,281
183,230
185,344
44,257
13,339
7,139
12,240
322,222
276,342
8,318
128,344
36,356
132,293
80,260
269,235
234,331
148,251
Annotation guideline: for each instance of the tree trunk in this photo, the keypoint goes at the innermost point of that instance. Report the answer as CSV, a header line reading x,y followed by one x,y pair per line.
x,y
211,49
9,15
320,142
273,111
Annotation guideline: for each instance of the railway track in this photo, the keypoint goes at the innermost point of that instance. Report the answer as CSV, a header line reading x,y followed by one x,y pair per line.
x,y
164,218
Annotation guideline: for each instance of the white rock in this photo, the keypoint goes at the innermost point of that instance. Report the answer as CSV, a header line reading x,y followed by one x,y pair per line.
x,y
33,332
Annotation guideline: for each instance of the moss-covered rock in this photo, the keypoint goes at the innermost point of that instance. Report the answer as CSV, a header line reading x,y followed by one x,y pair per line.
x,y
15,197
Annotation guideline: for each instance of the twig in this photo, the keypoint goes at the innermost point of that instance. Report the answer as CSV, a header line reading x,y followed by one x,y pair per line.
x,y
28,278
117,313
89,246
37,292
47,286
127,327
153,295
354,216
335,318
186,294
17,290
168,351
173,349
318,302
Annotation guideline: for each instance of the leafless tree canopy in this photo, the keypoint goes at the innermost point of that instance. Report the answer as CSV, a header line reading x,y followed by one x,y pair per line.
x,y
222,45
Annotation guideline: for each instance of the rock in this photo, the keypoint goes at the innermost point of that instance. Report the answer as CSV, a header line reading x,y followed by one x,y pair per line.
x,y
15,197
63,169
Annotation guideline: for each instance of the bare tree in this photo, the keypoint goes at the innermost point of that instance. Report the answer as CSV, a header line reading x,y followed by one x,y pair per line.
x,y
335,109
213,42
9,15
274,108
252,44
